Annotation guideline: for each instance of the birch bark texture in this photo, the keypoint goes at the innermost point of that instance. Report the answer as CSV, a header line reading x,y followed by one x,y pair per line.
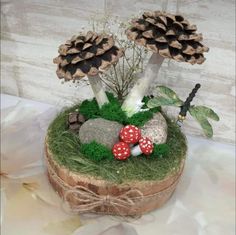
x,y
133,102
97,87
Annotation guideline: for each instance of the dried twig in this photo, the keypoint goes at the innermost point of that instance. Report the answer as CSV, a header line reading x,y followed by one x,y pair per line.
x,y
120,78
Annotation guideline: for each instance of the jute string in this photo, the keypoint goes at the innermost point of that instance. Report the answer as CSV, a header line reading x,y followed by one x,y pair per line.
x,y
87,200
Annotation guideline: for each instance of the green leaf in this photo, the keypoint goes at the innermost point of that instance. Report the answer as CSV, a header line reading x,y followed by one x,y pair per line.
x,y
201,113
207,112
168,93
166,90
206,126
166,97
161,101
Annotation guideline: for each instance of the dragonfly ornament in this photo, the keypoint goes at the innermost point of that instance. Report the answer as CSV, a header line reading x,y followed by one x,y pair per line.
x,y
186,105
167,97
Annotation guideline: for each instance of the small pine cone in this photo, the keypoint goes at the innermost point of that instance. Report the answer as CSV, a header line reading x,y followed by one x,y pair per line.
x,y
171,36
75,120
86,54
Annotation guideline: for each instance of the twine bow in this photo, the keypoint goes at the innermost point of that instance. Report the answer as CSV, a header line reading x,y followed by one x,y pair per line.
x,y
84,200
89,200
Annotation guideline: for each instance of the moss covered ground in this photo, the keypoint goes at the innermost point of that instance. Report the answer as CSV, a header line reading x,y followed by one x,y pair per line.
x,y
68,151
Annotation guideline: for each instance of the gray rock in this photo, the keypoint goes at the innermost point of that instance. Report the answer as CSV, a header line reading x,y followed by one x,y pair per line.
x,y
100,130
156,129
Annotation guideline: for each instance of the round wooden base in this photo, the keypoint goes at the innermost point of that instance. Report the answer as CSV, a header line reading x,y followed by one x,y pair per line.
x,y
154,193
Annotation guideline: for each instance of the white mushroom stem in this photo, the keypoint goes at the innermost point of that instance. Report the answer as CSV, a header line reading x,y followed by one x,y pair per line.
x,y
133,101
136,150
97,87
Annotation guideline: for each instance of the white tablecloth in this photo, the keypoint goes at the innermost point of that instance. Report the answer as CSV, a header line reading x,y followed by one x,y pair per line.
x,y
203,203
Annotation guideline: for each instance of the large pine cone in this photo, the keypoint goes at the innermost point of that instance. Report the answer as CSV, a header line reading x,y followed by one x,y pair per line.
x,y
169,35
85,55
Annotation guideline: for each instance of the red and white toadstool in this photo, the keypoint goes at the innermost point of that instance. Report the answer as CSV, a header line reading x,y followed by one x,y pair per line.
x,y
130,134
145,146
121,151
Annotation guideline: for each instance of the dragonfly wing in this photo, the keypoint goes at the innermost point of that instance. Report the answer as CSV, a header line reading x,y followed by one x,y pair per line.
x,y
166,97
202,120
207,112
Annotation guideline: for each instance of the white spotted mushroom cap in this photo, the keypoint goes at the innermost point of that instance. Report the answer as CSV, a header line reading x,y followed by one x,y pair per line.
x,y
146,145
130,134
121,151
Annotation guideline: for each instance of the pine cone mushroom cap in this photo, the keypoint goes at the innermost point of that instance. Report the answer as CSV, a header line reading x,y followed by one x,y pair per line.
x,y
86,54
170,35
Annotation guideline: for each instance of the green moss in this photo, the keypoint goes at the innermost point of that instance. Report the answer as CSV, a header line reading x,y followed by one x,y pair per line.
x,y
65,147
139,119
90,109
96,151
112,111
160,150
112,98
